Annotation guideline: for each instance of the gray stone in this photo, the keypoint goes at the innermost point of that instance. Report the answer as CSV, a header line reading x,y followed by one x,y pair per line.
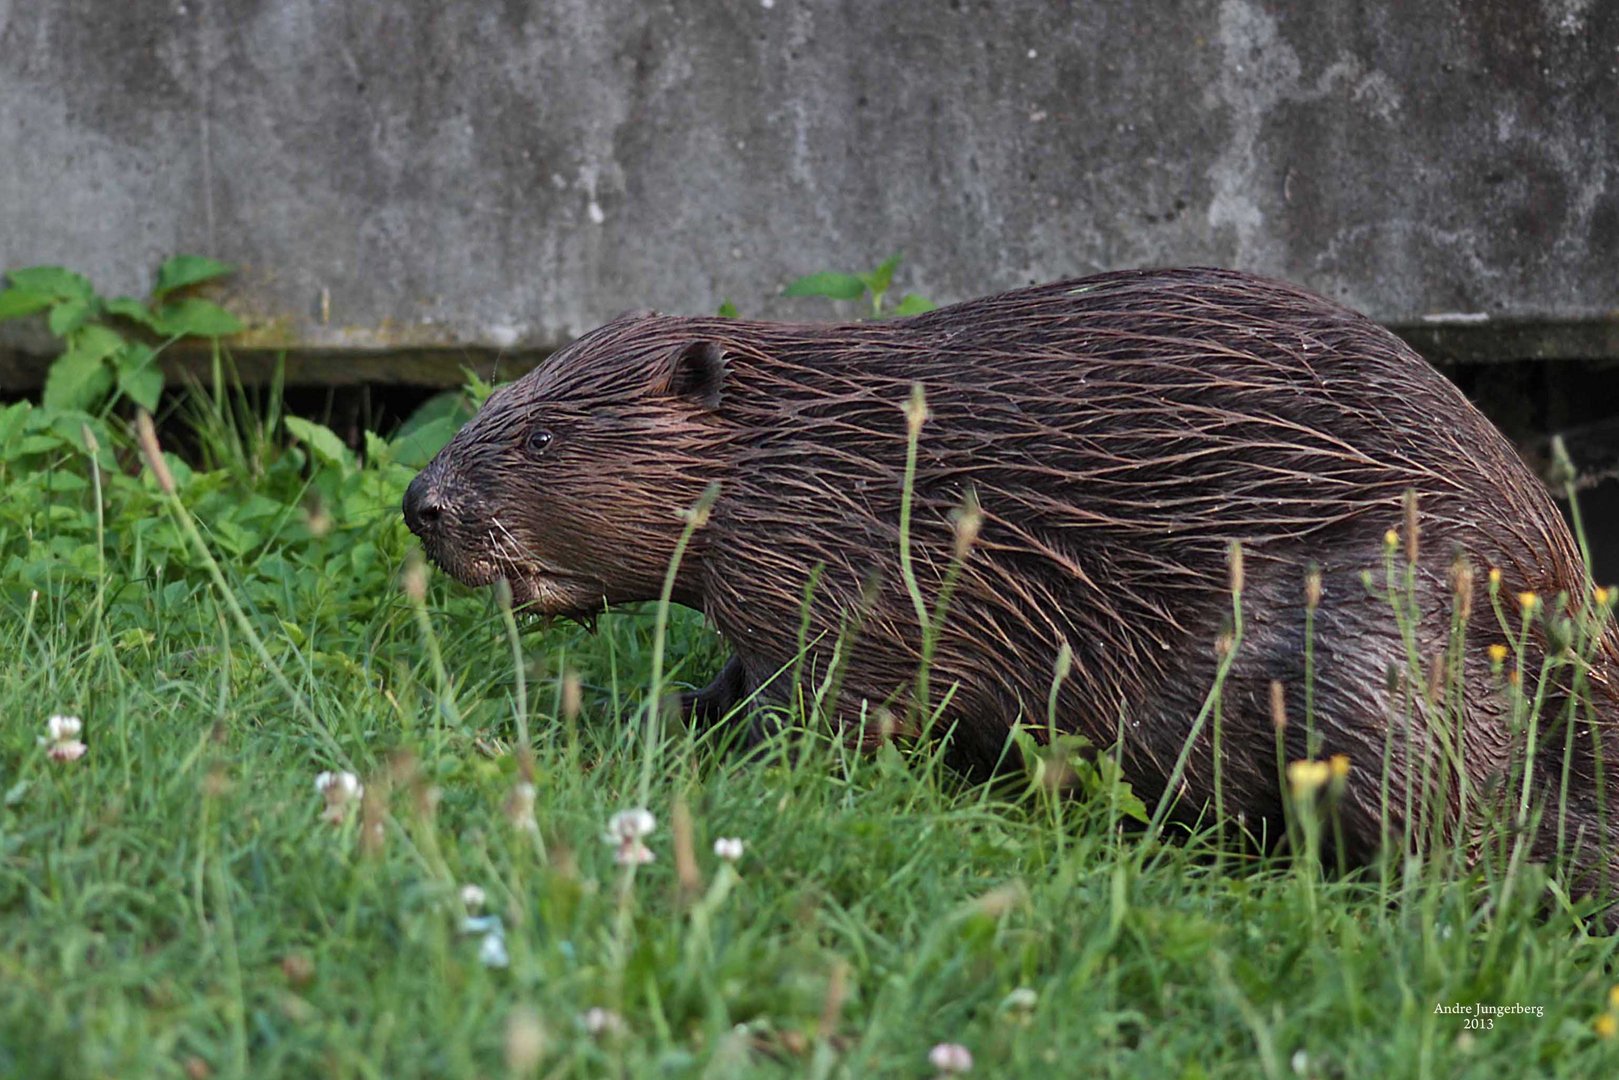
x,y
402,175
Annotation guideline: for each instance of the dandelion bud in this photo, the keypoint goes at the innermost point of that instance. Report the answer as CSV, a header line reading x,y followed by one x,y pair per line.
x,y
146,435
1560,632
1411,529
1461,586
414,579
1338,766
1495,581
1366,580
1222,644
968,521
1527,602
1498,655
1236,567
1278,705
916,411
1391,541
1603,596
1312,587
572,694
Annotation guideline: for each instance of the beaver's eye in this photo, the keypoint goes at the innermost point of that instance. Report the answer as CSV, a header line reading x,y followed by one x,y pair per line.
x,y
538,440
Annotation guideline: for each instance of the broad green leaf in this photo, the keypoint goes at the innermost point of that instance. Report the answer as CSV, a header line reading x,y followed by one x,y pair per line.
x,y
131,309
95,340
376,449
142,385
879,279
321,440
727,310
827,284
77,380
446,403
417,448
69,315
12,418
15,303
53,281
194,317
183,270
912,305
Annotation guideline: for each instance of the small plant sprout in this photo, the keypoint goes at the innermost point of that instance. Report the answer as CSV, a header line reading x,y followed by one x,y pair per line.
x,y
472,897
951,1059
627,829
728,848
61,739
341,790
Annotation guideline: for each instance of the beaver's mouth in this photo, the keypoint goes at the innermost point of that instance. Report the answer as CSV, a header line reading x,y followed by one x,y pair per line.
x,y
536,590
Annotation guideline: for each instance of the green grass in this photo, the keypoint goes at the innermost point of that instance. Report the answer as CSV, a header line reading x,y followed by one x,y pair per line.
x,y
174,903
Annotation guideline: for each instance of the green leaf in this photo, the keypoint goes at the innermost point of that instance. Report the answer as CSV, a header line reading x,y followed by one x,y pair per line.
x,y
139,377
376,449
183,270
879,279
195,317
68,315
15,303
830,285
321,440
131,309
12,418
95,340
77,380
727,310
53,281
912,305
417,448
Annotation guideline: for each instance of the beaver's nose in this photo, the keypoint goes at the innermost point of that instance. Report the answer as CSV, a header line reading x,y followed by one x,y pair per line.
x,y
423,508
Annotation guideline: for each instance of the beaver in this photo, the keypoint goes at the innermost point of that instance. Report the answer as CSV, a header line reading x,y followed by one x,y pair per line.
x,y
1116,434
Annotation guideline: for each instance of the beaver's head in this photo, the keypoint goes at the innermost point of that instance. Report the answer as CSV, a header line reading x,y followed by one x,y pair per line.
x,y
569,482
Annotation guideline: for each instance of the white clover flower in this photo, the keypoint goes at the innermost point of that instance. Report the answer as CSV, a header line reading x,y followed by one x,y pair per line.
x,y
472,897
63,728
626,828
630,824
633,853
492,951
600,1021
340,790
341,785
72,750
950,1058
728,848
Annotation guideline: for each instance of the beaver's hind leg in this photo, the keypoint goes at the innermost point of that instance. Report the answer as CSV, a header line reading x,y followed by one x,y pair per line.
x,y
734,697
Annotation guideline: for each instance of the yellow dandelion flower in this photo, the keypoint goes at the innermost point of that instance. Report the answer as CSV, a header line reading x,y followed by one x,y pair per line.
x,y
1391,539
1495,578
1339,765
1498,654
1605,1026
1527,601
1307,777
1603,596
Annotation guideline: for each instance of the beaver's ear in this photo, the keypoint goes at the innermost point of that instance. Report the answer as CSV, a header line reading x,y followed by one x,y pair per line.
x,y
696,371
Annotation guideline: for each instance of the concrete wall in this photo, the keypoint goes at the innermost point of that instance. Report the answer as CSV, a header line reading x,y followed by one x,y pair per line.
x,y
394,174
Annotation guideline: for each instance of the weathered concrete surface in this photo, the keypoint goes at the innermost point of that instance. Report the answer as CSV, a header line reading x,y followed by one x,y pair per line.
x,y
403,173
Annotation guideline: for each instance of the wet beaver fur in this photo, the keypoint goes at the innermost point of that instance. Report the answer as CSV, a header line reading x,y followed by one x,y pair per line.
x,y
1119,432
